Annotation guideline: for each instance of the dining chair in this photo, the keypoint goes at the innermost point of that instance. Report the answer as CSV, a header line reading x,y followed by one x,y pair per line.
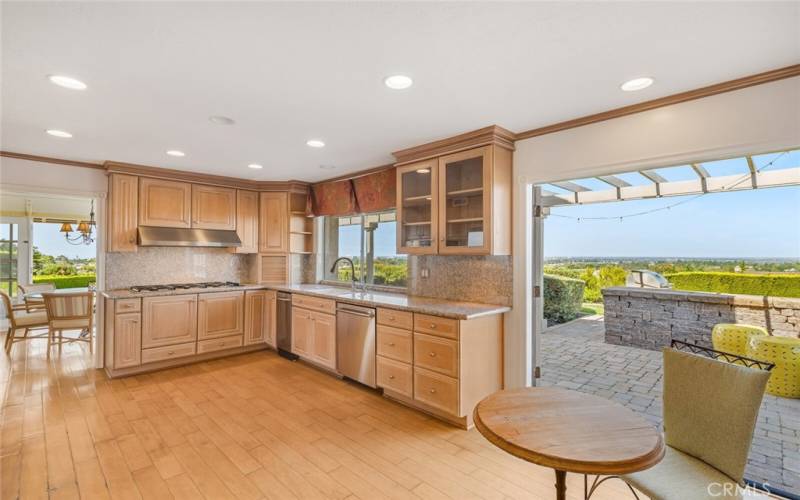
x,y
31,303
69,311
20,319
710,411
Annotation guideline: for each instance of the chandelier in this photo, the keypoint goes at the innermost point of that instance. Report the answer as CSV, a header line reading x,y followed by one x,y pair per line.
x,y
83,236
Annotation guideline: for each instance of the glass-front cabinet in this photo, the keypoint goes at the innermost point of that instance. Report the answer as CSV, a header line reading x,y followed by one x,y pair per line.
x,y
457,204
417,226
464,201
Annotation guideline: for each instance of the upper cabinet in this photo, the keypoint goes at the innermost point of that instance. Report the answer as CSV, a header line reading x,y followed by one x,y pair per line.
x,y
457,204
417,192
124,206
164,203
273,234
247,221
213,207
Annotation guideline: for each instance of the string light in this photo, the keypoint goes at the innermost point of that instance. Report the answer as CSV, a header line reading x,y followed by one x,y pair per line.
x,y
744,178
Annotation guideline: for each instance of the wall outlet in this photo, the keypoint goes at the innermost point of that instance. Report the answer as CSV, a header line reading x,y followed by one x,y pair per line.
x,y
425,272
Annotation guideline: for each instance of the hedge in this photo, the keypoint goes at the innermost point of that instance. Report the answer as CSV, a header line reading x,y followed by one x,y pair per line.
x,y
68,281
562,298
774,285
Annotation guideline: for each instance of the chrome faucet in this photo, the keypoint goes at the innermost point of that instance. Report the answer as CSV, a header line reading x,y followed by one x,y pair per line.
x,y
352,270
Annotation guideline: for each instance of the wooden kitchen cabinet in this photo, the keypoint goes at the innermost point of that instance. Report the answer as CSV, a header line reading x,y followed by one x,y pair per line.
x,y
273,233
302,332
417,215
324,339
213,207
313,332
247,221
127,340
259,317
169,320
220,314
123,218
466,210
165,203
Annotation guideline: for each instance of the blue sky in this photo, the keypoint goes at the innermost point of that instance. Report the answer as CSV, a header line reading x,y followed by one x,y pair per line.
x,y
385,237
759,223
49,241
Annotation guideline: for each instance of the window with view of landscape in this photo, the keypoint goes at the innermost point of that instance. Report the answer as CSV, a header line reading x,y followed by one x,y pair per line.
x,y
370,241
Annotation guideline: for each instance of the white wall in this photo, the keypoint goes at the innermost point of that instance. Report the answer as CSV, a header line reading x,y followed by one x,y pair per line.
x,y
34,176
758,119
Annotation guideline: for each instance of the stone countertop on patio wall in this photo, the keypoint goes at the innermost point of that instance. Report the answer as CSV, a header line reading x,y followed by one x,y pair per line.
x,y
707,297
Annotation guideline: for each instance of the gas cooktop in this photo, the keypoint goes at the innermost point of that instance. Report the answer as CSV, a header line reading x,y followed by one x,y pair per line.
x,y
182,286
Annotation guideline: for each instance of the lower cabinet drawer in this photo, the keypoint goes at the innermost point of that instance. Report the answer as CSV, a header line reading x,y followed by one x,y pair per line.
x,y
395,376
168,352
437,354
219,344
394,343
438,391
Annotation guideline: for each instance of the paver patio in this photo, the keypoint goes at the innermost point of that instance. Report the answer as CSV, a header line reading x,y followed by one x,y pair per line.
x,y
575,356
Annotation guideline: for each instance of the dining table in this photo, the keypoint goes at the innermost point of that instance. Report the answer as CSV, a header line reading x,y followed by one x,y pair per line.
x,y
569,431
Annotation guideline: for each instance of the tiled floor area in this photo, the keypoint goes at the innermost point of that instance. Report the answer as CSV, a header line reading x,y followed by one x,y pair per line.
x,y
253,426
575,356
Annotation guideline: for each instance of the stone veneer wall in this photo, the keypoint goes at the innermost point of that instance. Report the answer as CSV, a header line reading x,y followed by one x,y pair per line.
x,y
652,318
162,265
486,279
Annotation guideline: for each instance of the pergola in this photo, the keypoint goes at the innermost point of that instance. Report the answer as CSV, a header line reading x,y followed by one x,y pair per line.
x,y
658,186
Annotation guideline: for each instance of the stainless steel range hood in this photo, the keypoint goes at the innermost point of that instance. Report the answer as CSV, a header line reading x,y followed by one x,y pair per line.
x,y
183,237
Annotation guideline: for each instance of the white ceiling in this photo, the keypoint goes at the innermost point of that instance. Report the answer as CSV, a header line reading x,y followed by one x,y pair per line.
x,y
288,72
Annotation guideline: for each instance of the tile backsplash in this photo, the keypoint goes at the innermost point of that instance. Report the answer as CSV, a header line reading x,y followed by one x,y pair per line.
x,y
486,279
162,265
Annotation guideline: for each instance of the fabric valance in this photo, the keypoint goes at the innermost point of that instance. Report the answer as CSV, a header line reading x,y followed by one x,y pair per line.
x,y
369,193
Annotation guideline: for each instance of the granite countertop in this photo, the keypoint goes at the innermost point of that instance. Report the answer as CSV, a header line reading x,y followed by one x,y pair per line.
x,y
401,301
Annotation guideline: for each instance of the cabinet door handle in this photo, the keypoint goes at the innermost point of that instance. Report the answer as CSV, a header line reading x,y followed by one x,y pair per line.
x,y
170,353
391,318
391,377
433,326
131,239
433,391
432,354
391,344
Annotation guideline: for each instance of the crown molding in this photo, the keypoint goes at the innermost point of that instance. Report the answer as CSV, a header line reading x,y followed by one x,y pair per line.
x,y
48,159
711,90
482,137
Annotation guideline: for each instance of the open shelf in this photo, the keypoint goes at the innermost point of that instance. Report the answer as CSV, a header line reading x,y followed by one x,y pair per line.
x,y
417,198
301,232
425,223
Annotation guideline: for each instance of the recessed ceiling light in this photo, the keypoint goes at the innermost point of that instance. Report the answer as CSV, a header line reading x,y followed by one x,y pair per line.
x,y
221,120
398,82
327,167
255,166
315,143
423,170
59,133
637,84
67,82
175,152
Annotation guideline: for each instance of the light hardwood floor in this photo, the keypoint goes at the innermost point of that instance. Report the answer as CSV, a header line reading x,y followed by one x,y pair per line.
x,y
251,426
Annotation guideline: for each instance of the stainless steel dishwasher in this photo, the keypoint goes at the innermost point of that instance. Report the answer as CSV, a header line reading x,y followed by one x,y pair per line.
x,y
355,343
284,325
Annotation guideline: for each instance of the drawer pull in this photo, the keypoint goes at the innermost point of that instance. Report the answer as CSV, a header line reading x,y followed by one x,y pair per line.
x,y
170,353
391,344
433,326
432,354
391,318
391,377
433,391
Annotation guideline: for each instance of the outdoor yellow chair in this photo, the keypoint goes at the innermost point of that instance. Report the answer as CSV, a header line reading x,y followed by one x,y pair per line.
x,y
784,353
733,338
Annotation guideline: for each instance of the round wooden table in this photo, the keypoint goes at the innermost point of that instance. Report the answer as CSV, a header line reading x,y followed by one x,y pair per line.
x,y
569,431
